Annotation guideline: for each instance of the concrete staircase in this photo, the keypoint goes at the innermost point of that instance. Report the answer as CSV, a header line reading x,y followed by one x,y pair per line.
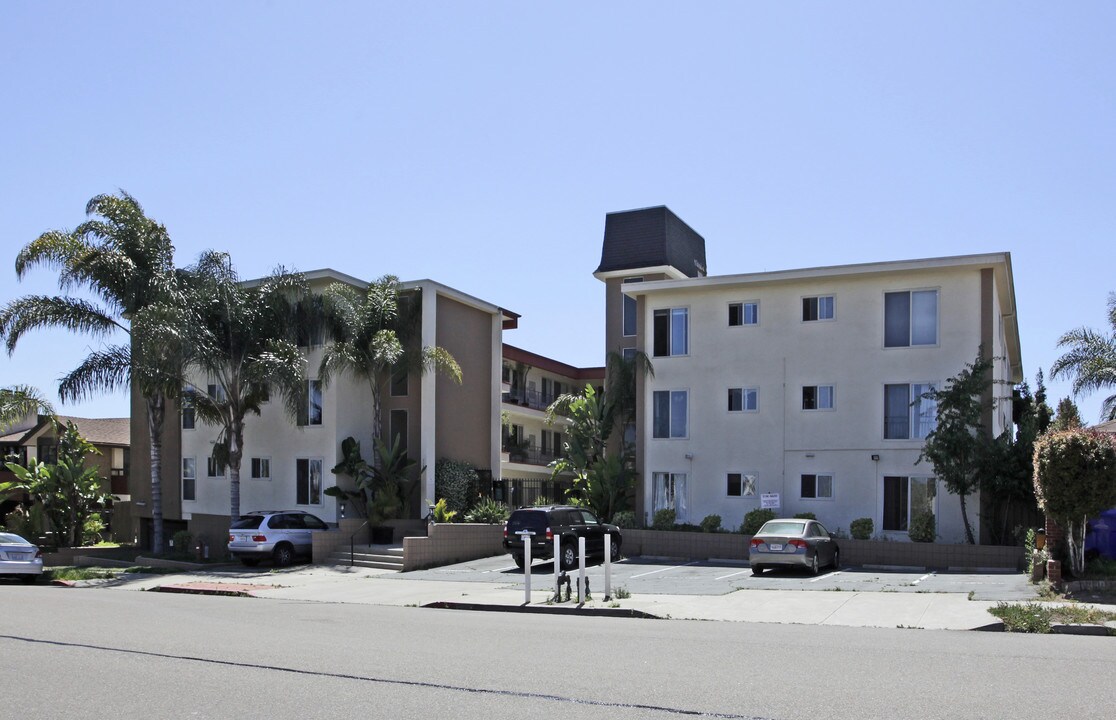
x,y
384,557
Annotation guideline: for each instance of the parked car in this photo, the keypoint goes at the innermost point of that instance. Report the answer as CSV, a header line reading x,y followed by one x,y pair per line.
x,y
564,522
793,542
20,558
279,535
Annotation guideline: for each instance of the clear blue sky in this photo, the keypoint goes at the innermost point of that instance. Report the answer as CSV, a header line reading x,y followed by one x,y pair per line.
x,y
481,144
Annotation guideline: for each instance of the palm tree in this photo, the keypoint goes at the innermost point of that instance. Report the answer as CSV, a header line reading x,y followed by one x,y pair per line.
x,y
19,401
373,335
1091,360
246,346
125,260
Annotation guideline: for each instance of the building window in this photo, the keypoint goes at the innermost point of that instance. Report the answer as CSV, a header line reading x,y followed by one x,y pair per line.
x,y
817,487
216,391
628,353
311,412
911,318
817,397
908,415
741,485
46,450
397,429
743,314
670,408
817,308
213,468
905,497
743,399
630,308
672,332
189,479
668,492
188,410
261,468
399,384
308,481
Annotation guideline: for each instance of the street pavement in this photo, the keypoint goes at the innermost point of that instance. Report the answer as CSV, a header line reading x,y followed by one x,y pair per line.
x,y
852,597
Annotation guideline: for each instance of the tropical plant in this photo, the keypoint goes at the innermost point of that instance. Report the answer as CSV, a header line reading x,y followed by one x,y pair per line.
x,y
68,492
1090,360
442,513
754,520
245,344
378,486
125,260
956,445
1075,479
602,481
19,401
488,511
861,529
374,333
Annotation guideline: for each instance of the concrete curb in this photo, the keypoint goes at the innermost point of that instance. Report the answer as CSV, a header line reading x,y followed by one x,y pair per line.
x,y
544,610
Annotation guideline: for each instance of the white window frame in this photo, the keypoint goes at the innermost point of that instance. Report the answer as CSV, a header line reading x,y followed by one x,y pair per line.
x,y
747,485
310,462
192,463
883,499
675,499
211,469
670,415
671,350
910,318
833,309
744,391
817,398
262,462
816,476
744,305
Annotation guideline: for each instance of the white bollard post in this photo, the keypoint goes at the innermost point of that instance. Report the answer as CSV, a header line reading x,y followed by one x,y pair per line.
x,y
526,569
580,570
608,567
557,568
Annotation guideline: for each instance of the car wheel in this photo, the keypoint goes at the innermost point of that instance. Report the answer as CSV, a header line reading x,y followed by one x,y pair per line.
x,y
614,550
814,565
29,579
836,559
757,569
569,557
518,561
283,555
250,562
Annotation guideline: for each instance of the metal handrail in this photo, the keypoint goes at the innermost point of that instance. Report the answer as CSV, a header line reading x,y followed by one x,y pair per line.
x,y
352,545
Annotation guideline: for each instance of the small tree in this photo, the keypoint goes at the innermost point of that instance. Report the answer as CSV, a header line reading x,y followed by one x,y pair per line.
x,y
1075,479
1068,417
955,447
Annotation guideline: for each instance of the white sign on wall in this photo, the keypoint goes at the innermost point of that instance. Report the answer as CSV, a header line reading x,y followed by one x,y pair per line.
x,y
770,501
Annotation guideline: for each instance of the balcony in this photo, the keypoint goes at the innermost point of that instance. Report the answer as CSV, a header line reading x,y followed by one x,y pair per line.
x,y
533,399
530,454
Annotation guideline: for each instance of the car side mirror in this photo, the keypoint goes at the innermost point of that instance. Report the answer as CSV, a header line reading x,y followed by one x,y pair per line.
x,y
832,536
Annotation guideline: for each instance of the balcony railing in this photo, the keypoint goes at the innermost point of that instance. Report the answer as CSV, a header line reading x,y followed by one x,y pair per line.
x,y
531,454
526,492
534,399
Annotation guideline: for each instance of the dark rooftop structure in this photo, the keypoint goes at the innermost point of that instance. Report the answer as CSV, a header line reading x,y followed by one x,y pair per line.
x,y
651,237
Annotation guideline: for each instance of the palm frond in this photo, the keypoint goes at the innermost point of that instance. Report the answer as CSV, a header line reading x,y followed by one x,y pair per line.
x,y
54,249
440,360
102,371
19,401
33,312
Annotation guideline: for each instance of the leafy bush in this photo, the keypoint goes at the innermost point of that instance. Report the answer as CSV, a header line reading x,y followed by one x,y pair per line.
x,y
457,483
442,513
92,529
625,519
663,519
182,543
922,528
488,511
711,523
806,516
755,519
861,528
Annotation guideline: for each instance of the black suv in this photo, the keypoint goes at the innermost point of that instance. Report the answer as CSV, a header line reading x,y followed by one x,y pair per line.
x,y
562,521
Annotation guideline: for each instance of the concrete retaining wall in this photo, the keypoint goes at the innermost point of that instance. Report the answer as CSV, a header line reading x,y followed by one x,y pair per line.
x,y
733,546
450,543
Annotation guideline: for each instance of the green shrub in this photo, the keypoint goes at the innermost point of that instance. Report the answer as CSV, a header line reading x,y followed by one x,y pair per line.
x,y
182,543
625,519
923,527
663,519
806,516
457,483
755,519
861,528
711,523
442,513
92,528
488,511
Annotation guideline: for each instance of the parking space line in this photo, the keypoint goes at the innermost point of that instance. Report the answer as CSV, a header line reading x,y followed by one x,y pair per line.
x,y
828,574
731,575
929,574
673,567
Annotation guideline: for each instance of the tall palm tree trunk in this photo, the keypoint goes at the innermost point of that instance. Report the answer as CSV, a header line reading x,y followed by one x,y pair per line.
x,y
156,413
236,454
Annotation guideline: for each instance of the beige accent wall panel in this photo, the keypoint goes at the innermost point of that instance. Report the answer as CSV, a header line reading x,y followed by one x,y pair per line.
x,y
464,412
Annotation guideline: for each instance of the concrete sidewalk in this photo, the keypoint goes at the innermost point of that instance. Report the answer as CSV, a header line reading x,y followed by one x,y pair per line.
x,y
317,583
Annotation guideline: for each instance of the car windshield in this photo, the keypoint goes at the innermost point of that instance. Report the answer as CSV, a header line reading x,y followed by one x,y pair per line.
x,y
782,527
10,539
248,522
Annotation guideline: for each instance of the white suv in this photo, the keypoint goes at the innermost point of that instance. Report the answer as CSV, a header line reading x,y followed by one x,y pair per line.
x,y
279,535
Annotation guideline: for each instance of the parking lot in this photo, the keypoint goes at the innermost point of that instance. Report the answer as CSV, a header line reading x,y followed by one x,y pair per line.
x,y
656,576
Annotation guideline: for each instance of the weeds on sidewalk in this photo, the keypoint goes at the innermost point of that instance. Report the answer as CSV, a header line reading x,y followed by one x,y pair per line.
x,y
1038,618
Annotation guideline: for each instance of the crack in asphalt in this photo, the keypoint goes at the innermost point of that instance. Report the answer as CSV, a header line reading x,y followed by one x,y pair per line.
x,y
390,681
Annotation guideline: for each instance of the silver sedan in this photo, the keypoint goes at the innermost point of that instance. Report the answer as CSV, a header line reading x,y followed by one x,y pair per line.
x,y
20,558
793,542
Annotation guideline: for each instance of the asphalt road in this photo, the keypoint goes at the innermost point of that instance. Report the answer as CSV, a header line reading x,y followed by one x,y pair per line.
x,y
648,576
101,653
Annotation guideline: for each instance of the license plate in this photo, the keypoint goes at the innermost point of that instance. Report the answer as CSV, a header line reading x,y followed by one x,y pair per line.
x,y
775,546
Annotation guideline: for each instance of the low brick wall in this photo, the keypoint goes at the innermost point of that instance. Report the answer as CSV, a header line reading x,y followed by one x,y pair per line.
x,y
733,546
449,543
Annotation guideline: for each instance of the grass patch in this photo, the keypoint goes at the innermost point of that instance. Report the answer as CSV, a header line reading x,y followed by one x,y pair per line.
x,y
72,572
1036,618
622,593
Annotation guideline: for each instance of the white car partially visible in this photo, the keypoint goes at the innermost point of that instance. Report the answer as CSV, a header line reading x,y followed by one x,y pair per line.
x,y
20,558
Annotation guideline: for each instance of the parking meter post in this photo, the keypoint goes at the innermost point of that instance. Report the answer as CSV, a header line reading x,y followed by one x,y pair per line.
x,y
580,570
608,567
526,569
